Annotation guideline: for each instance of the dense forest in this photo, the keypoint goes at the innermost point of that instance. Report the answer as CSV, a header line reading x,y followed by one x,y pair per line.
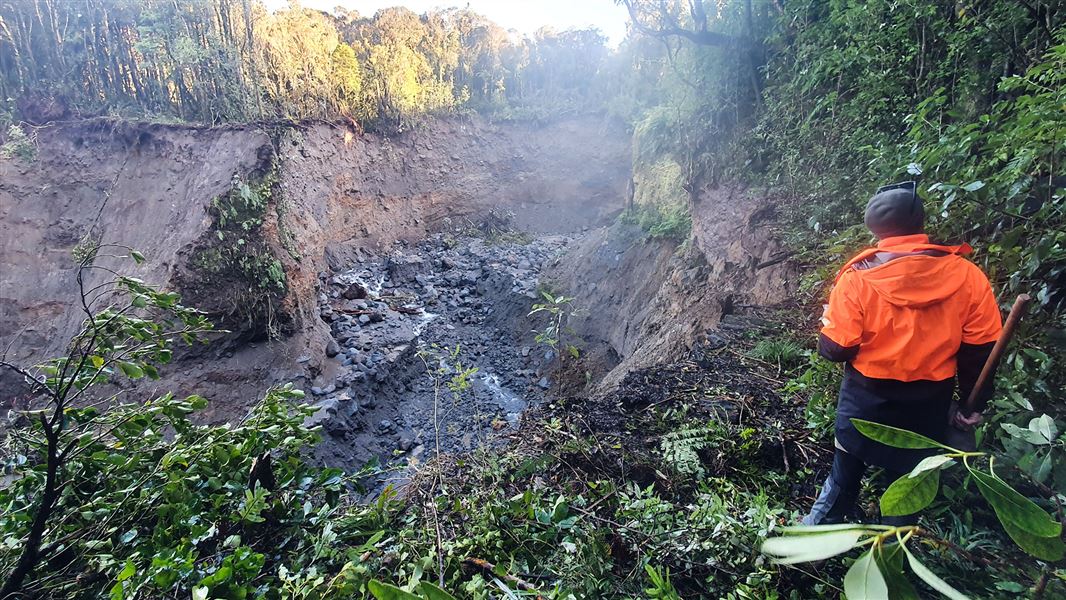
x,y
814,104
228,61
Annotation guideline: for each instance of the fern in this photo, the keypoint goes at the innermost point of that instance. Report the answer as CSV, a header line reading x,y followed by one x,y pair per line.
x,y
680,449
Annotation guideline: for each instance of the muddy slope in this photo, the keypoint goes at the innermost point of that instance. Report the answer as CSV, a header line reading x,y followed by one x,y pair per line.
x,y
339,195
648,301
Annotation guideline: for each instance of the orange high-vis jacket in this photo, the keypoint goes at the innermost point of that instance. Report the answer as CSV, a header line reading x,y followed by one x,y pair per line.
x,y
909,315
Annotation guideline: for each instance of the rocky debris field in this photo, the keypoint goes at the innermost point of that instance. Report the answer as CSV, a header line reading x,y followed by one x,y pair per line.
x,y
405,323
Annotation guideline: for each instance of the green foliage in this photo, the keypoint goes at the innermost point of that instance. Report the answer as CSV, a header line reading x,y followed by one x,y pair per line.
x,y
784,353
661,588
879,570
817,387
236,60
238,263
680,449
18,145
560,309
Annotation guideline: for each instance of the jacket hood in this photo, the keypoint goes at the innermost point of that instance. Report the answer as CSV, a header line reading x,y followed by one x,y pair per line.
x,y
916,281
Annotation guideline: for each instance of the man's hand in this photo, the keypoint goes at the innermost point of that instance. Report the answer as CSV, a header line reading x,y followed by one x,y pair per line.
x,y
965,423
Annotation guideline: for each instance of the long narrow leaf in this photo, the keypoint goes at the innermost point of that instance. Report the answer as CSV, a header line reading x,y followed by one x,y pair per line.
x,y
1047,548
890,561
939,461
895,437
932,579
789,550
1014,507
432,592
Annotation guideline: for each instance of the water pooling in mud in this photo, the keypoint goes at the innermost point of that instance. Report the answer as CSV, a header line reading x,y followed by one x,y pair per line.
x,y
375,394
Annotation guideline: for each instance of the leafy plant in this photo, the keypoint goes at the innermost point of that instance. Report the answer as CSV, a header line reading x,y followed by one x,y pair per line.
x,y
817,387
784,353
560,309
134,499
18,144
879,571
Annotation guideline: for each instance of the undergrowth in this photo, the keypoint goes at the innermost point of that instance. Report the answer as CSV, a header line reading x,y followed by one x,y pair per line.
x,y
238,264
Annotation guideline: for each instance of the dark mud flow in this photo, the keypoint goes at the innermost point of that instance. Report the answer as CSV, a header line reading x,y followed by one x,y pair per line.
x,y
436,307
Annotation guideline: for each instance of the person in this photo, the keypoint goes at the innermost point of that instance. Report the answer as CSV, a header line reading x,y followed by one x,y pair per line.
x,y
907,318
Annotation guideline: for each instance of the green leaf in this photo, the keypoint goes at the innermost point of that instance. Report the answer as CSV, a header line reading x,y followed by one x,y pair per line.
x,y
131,370
1011,506
1027,435
973,186
199,593
432,592
1041,472
1047,548
817,529
864,581
385,591
136,256
910,494
894,436
931,578
1045,427
787,550
127,571
890,561
929,463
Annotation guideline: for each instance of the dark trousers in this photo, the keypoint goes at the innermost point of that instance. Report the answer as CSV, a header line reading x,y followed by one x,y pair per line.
x,y
837,503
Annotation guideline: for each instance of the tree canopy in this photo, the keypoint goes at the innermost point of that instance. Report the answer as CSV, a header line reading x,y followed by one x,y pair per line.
x,y
215,61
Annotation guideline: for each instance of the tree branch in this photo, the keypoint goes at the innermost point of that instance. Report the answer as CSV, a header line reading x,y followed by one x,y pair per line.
x,y
701,36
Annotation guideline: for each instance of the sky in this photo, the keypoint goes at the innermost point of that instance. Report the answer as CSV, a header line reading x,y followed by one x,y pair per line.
x,y
525,16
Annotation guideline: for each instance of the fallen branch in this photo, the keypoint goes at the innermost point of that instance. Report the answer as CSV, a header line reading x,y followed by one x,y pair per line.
x,y
490,568
778,258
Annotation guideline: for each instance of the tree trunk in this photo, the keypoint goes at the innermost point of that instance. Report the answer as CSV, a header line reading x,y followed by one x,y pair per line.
x,y
30,552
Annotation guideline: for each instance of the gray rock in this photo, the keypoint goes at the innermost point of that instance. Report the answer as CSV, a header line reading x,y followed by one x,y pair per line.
x,y
332,348
317,391
544,383
364,319
355,291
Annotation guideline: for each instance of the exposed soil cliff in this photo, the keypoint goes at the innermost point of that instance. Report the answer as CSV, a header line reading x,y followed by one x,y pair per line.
x,y
647,301
329,255
336,194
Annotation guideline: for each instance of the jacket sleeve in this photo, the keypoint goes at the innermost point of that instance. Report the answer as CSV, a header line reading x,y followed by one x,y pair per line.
x,y
971,359
984,323
980,331
842,322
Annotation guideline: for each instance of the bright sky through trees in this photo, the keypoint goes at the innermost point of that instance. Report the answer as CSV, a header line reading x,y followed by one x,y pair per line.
x,y
525,16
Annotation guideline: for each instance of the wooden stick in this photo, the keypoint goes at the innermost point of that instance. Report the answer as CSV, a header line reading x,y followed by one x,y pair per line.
x,y
490,569
1009,326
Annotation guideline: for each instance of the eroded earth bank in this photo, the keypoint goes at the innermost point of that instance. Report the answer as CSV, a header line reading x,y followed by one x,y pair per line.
x,y
358,265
